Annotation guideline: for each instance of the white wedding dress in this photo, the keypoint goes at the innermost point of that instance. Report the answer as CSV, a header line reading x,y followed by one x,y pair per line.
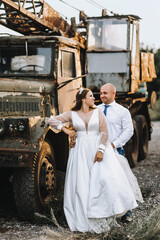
x,y
95,193
130,176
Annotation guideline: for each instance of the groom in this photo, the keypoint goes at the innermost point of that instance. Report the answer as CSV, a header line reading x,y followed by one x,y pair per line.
x,y
119,121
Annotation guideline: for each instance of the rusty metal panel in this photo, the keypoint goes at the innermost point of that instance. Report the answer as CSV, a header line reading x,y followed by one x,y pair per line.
x,y
144,67
109,67
120,80
66,94
147,67
15,158
107,62
24,86
151,66
55,20
135,57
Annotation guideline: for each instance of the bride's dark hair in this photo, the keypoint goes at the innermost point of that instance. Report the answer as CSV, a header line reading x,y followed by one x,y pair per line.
x,y
81,94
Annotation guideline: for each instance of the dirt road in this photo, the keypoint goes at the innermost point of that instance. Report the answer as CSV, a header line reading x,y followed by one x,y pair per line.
x,y
145,224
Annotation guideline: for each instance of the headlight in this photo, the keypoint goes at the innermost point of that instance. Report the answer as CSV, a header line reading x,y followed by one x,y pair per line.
x,y
21,127
2,127
13,127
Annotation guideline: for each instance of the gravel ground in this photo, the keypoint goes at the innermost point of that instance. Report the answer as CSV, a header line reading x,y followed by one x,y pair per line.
x,y
145,224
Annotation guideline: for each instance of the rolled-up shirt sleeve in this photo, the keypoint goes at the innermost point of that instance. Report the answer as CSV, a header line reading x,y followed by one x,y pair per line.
x,y
103,130
127,129
58,121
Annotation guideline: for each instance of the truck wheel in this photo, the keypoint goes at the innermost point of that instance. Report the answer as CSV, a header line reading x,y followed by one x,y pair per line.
x,y
143,136
131,148
34,187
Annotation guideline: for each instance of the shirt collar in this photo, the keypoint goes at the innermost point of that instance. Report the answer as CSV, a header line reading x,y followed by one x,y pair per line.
x,y
111,104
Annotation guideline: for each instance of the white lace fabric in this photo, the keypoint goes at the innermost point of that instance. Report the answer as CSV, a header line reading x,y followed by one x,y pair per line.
x,y
66,117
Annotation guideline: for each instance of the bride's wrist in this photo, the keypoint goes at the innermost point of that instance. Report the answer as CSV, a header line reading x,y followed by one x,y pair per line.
x,y
101,150
65,130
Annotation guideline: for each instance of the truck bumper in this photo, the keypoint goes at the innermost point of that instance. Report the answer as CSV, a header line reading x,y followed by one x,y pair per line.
x,y
16,157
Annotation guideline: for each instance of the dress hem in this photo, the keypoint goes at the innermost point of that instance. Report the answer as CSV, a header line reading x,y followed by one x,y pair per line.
x,y
93,215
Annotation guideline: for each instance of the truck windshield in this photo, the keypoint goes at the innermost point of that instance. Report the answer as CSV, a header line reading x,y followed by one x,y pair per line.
x,y
25,61
107,35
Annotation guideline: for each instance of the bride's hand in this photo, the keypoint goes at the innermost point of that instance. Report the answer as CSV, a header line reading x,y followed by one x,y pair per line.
x,y
98,157
70,133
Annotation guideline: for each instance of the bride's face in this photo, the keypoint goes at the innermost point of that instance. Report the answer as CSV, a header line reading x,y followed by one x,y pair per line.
x,y
89,99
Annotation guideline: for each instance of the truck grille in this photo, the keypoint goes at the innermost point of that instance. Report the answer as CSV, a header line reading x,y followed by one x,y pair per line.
x,y
19,106
24,105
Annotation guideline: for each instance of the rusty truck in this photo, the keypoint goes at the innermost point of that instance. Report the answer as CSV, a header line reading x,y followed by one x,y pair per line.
x,y
113,55
40,73
39,77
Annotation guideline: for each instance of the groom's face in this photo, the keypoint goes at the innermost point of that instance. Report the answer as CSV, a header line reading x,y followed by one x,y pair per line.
x,y
107,95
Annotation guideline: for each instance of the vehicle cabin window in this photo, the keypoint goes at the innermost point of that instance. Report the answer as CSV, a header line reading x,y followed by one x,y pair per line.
x,y
68,64
16,61
103,35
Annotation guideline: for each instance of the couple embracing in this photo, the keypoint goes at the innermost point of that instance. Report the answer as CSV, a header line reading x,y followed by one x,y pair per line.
x,y
99,184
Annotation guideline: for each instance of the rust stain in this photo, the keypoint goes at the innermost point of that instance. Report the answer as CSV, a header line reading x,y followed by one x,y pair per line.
x,y
148,72
15,150
151,66
53,17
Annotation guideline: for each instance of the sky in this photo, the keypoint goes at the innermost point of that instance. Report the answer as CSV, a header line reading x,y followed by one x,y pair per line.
x,y
147,10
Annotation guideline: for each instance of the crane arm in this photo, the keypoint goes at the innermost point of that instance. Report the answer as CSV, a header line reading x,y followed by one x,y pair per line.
x,y
33,17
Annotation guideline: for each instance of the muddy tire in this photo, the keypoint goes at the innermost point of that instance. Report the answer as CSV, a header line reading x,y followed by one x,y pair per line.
x,y
34,187
131,148
143,136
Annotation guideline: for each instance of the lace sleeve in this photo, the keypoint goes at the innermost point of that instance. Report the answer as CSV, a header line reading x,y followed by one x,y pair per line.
x,y
103,129
57,121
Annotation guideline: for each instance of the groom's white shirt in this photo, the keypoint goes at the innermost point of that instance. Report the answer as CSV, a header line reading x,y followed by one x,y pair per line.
x,y
119,123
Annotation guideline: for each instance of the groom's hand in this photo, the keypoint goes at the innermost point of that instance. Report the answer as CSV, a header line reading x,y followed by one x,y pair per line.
x,y
72,142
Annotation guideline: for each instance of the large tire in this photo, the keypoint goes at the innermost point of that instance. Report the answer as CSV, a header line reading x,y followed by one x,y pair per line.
x,y
34,187
143,136
131,148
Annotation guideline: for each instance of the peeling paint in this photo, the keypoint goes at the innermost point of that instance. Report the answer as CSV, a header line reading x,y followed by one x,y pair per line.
x,y
33,121
14,94
147,67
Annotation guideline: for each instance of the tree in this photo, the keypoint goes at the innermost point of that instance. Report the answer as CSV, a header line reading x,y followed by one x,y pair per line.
x,y
157,66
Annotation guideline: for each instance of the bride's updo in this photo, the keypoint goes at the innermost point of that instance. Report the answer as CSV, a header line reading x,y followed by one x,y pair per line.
x,y
81,94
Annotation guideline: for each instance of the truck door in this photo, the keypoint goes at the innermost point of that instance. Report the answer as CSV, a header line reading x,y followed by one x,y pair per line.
x,y
68,68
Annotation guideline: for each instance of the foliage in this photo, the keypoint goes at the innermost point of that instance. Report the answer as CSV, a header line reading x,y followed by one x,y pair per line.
x,y
157,62
147,49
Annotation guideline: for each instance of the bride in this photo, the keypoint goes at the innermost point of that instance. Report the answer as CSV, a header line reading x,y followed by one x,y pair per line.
x,y
96,187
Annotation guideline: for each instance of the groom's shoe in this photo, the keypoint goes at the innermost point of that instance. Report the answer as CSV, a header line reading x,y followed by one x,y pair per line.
x,y
127,217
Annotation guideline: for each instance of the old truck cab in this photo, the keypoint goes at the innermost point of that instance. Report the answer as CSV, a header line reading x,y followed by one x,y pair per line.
x,y
39,77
